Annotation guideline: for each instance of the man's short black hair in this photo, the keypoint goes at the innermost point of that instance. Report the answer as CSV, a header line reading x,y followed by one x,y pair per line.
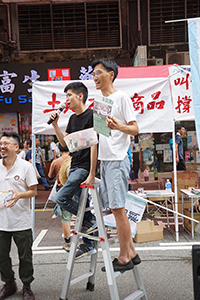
x,y
179,127
13,135
78,88
29,143
62,149
109,65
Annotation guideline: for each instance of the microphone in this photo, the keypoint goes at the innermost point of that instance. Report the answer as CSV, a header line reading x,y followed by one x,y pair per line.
x,y
63,106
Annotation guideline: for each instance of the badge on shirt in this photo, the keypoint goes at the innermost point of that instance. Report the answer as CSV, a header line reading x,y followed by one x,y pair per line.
x,y
16,178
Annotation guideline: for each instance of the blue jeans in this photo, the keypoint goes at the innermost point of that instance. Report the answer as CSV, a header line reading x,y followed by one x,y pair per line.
x,y
42,176
72,188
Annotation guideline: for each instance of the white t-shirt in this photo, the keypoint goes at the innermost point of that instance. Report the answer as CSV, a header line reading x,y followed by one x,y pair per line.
x,y
22,154
115,147
18,178
52,148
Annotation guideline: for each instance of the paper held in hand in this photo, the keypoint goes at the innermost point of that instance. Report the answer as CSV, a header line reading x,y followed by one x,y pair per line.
x,y
81,139
102,108
4,196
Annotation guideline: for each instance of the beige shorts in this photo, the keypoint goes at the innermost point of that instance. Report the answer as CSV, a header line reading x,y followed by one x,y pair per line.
x,y
66,216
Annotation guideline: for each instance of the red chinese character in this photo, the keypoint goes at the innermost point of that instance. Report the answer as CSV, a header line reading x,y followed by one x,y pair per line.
x,y
92,104
52,103
137,103
67,108
156,95
185,102
151,105
160,105
181,81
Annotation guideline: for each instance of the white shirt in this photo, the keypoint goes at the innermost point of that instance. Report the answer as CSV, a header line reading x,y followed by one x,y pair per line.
x,y
22,154
18,178
115,147
52,148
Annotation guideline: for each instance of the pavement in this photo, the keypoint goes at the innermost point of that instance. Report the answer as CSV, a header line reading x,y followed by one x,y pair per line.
x,y
166,267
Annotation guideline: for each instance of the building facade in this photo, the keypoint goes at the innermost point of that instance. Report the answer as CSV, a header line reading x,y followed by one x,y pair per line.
x,y
37,37
49,31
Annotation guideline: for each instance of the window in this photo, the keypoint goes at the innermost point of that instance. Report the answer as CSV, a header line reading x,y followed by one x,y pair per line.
x,y
35,27
161,33
3,23
103,25
69,26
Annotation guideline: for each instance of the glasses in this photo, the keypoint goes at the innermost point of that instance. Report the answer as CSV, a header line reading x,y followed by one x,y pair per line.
x,y
5,144
97,73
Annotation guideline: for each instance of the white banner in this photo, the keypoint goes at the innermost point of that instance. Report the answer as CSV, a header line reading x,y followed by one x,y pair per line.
x,y
151,99
181,84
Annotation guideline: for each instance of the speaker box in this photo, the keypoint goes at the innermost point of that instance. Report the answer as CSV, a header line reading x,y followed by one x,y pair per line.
x,y
196,270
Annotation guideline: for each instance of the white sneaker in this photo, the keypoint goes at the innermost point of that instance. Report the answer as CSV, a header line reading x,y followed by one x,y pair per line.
x,y
66,246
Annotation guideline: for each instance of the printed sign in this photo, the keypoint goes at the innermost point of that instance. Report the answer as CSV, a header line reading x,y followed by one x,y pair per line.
x,y
134,211
59,74
8,122
102,108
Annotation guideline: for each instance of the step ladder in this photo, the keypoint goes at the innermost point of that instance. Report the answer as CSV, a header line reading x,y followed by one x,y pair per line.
x,y
101,238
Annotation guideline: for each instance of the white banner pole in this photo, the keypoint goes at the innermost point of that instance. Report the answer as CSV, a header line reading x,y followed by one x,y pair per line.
x,y
175,184
33,198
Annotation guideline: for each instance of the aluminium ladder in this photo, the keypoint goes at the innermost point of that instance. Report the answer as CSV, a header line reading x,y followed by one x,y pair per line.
x,y
101,238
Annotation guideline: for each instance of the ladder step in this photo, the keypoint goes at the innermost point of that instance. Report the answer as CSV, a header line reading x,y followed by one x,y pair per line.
x,y
118,273
94,238
89,208
136,295
82,277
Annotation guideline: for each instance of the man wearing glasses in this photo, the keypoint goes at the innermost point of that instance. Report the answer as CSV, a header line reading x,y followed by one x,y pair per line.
x,y
115,165
18,176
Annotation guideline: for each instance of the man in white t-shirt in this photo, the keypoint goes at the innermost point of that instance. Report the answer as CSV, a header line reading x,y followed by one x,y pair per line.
x,y
115,165
53,149
16,175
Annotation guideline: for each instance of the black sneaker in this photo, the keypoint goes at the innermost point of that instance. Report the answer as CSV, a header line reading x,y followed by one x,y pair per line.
x,y
117,266
84,249
88,226
48,188
136,260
